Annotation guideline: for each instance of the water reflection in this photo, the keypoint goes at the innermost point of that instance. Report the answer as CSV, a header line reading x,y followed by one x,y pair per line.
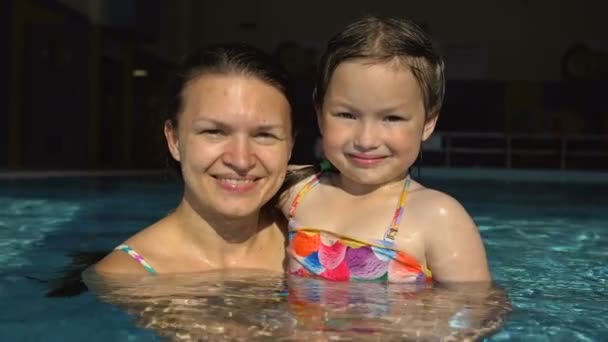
x,y
257,305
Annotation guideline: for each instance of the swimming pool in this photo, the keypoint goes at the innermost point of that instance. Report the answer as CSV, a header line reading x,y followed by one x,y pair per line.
x,y
546,243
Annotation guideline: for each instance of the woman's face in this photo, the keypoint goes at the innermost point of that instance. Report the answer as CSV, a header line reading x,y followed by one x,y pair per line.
x,y
233,141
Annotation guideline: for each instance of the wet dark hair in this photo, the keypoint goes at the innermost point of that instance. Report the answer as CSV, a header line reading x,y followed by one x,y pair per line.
x,y
376,39
225,59
383,39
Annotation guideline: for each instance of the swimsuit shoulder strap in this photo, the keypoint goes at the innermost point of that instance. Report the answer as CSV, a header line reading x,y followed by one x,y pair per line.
x,y
137,257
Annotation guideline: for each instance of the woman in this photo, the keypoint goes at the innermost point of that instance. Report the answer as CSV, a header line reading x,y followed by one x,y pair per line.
x,y
229,130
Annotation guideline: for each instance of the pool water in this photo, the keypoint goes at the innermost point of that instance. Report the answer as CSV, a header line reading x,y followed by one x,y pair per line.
x,y
546,243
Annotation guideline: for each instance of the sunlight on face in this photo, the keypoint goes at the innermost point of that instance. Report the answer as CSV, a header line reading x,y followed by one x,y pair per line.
x,y
233,142
373,121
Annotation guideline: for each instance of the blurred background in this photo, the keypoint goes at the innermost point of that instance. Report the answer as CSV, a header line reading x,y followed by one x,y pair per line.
x,y
84,81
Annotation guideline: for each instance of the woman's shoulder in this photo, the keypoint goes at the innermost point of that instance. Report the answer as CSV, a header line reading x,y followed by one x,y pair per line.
x,y
119,262
127,257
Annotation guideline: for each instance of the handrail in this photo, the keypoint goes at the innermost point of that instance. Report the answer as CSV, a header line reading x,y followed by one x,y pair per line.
x,y
447,146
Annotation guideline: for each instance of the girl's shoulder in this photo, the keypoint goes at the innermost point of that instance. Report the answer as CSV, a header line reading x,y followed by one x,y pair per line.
x,y
297,178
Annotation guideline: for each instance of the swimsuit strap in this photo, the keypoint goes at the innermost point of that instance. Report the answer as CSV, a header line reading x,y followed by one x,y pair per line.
x,y
309,185
137,257
393,229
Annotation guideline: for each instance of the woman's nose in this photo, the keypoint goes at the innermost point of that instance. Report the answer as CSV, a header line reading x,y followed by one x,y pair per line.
x,y
240,155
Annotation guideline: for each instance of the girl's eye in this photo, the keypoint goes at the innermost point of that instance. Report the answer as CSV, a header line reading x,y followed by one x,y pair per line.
x,y
393,118
345,115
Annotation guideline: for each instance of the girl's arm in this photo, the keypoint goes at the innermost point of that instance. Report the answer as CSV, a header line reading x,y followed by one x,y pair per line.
x,y
454,249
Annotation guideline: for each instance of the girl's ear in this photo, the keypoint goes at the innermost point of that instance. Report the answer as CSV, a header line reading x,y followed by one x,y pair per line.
x,y
429,127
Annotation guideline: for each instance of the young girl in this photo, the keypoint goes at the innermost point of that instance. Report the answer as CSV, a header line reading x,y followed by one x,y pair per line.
x,y
361,216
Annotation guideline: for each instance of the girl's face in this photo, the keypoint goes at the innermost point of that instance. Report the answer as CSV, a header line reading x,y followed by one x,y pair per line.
x,y
373,121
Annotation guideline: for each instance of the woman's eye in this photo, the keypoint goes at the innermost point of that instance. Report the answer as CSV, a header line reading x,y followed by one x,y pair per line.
x,y
212,132
266,138
267,135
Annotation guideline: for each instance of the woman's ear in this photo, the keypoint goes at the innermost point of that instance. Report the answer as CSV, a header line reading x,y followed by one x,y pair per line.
x,y
172,139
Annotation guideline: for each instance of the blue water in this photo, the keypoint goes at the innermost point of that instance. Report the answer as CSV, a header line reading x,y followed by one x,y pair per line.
x,y
546,243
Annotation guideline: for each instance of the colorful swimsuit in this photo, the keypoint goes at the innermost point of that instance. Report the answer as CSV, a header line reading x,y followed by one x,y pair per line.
x,y
137,257
314,252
